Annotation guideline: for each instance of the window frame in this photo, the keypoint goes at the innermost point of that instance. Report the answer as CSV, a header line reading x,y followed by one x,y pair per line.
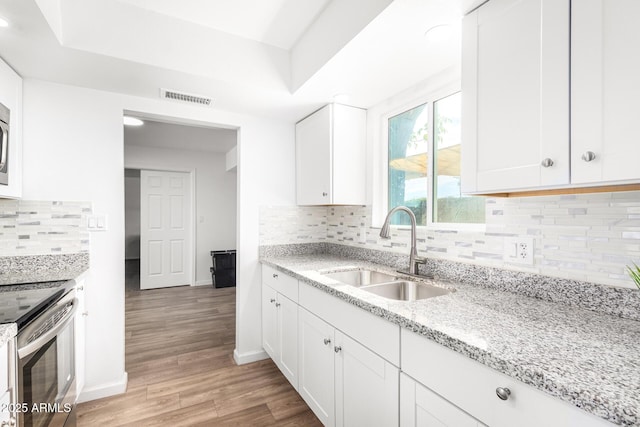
x,y
381,197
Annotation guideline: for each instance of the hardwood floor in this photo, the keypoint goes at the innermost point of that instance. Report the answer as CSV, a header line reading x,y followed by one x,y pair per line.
x,y
179,346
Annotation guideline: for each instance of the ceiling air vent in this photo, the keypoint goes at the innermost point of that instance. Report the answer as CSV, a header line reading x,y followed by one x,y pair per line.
x,y
189,98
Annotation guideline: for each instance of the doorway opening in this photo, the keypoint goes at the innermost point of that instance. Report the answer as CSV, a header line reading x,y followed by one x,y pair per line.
x,y
180,202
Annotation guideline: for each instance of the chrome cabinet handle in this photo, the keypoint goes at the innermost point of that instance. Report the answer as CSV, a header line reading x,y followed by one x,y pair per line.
x,y
327,341
503,393
324,194
547,163
278,304
80,288
85,313
272,300
337,349
275,276
589,156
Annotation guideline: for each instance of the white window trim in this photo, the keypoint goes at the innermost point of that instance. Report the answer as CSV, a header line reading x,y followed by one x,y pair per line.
x,y
381,160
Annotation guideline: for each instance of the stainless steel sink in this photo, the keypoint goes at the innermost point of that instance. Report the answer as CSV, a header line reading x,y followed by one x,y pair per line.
x,y
404,290
361,277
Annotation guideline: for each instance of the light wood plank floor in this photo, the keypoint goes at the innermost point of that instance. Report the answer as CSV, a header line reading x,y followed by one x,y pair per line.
x,y
179,346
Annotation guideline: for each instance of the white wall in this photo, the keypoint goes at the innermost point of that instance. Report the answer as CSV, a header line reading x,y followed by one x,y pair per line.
x,y
215,195
132,214
73,150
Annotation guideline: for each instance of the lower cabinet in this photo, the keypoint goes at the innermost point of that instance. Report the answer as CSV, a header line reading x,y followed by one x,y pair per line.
x,y
280,332
80,333
491,397
421,407
342,381
7,383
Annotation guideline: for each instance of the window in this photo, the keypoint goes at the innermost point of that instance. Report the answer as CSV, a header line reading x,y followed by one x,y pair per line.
x,y
427,184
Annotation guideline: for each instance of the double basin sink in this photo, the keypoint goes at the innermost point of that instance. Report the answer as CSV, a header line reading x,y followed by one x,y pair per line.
x,y
387,285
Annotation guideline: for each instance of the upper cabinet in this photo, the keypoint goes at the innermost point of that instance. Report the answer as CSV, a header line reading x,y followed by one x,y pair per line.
x,y
331,157
549,93
11,153
605,65
515,91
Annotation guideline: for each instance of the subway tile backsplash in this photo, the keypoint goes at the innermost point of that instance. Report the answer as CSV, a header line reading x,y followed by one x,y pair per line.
x,y
43,227
585,237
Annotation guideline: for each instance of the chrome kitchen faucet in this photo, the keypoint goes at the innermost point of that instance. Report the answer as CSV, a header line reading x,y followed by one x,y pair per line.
x,y
414,259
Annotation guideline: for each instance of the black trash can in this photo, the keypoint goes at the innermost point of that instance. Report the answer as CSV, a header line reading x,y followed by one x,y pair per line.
x,y
223,272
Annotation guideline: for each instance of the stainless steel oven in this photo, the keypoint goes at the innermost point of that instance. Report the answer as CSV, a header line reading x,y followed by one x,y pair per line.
x,y
46,367
4,144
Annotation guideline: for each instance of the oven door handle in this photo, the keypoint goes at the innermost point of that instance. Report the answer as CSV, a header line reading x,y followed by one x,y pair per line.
x,y
35,345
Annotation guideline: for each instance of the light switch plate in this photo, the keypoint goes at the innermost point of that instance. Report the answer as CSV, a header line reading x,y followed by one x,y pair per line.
x,y
97,222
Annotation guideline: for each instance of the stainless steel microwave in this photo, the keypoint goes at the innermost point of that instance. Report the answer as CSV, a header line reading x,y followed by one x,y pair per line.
x,y
4,145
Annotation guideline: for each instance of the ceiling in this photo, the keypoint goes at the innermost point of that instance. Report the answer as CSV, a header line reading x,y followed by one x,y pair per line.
x,y
273,58
171,136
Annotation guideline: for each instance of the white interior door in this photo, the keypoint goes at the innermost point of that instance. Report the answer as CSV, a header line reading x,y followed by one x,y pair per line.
x,y
165,229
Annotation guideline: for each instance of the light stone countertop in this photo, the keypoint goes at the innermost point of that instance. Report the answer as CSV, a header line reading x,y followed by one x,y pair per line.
x,y
588,359
7,332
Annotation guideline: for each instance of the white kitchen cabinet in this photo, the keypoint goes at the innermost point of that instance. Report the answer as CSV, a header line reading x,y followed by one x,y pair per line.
x,y
342,381
280,321
280,332
515,87
317,365
331,157
8,372
80,333
421,407
11,97
473,387
518,132
605,38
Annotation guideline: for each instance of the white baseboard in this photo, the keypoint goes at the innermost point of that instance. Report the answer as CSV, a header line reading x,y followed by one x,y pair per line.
x,y
104,390
203,283
249,357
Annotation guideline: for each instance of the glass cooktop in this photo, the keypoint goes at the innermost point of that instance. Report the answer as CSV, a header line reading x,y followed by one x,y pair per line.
x,y
22,303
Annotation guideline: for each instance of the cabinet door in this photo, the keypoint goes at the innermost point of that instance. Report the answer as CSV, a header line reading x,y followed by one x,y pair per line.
x,y
269,322
288,339
605,38
421,407
366,386
80,328
515,95
316,381
313,158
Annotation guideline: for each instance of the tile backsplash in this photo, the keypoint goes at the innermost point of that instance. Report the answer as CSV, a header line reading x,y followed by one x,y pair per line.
x,y
586,237
43,227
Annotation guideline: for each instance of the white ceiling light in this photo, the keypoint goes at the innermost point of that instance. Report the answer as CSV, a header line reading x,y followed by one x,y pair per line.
x,y
439,33
132,121
3,22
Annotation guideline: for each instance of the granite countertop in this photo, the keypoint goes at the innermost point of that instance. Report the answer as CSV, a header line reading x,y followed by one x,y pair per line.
x,y
588,359
7,332
42,268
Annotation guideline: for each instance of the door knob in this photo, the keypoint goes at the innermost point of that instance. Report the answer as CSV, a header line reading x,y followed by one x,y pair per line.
x,y
503,393
589,156
547,163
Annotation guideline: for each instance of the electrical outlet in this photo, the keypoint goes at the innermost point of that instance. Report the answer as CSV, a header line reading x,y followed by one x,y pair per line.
x,y
519,250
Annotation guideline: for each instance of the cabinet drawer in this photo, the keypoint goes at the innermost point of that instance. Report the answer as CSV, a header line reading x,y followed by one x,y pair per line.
x,y
471,386
280,282
376,333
